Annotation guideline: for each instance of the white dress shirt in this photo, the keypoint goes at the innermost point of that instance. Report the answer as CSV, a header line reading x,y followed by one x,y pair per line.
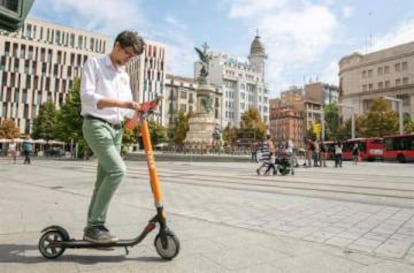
x,y
100,79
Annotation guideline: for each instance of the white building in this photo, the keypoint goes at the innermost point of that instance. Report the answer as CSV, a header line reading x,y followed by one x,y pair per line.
x,y
147,73
38,63
242,82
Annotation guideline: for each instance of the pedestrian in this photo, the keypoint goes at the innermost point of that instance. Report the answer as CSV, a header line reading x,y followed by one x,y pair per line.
x,y
322,153
254,152
106,99
268,148
338,154
315,154
355,153
271,164
310,148
289,153
12,151
27,149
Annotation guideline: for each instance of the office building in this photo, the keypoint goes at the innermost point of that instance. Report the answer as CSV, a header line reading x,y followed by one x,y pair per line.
x,y
38,63
387,72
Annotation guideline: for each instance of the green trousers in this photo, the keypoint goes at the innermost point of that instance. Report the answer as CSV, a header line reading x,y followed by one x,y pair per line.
x,y
105,142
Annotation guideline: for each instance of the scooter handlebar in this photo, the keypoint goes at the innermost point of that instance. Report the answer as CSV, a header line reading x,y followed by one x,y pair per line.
x,y
148,109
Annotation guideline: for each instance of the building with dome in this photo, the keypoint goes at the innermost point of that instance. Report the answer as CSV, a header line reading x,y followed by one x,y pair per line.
x,y
242,81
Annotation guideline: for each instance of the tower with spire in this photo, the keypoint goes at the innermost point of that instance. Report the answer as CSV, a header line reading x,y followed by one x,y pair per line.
x,y
257,56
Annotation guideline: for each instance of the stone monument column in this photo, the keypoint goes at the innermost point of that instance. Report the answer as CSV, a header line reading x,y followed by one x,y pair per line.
x,y
202,126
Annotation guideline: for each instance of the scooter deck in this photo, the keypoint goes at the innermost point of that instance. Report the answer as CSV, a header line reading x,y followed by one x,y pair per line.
x,y
73,243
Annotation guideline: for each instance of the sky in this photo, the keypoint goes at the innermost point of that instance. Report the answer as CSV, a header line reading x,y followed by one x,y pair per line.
x,y
304,39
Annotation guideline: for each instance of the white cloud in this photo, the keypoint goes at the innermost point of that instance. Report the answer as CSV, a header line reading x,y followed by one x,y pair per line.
x,y
246,8
402,33
347,11
110,17
174,22
330,73
295,39
105,16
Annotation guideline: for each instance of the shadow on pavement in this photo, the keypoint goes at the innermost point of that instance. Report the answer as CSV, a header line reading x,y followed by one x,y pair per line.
x,y
12,253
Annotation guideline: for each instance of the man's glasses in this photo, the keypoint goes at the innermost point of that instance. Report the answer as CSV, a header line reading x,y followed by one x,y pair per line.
x,y
128,53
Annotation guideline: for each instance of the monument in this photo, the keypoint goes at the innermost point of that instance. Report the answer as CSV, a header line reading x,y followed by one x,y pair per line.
x,y
203,128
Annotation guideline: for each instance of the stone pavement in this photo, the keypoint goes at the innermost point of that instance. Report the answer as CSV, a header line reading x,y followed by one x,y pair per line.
x,y
355,219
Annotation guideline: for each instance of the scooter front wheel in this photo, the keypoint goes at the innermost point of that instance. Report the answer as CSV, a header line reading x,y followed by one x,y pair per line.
x,y
47,247
170,248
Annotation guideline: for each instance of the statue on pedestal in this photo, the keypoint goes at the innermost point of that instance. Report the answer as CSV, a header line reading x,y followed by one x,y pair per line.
x,y
205,58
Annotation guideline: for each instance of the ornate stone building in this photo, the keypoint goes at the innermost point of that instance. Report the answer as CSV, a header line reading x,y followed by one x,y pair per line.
x,y
387,72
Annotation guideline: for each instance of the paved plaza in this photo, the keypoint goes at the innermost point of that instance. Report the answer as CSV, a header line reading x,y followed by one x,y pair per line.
x,y
351,219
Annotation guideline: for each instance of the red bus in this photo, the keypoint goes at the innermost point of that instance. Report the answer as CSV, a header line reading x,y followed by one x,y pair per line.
x,y
371,148
400,148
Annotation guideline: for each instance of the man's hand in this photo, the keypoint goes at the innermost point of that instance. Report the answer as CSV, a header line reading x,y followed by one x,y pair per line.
x,y
134,106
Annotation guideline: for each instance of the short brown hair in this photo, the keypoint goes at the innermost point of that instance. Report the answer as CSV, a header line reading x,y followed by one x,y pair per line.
x,y
131,38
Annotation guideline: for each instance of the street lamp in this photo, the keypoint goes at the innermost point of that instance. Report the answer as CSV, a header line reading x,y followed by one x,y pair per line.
x,y
352,117
399,102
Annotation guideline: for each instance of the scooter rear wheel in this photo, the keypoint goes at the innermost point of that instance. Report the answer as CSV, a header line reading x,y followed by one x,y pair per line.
x,y
172,248
45,244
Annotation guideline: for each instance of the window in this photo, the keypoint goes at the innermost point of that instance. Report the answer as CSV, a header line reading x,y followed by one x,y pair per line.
x,y
404,65
370,73
183,94
387,84
380,70
72,40
380,85
397,82
80,42
405,80
370,86
397,67
386,69
183,107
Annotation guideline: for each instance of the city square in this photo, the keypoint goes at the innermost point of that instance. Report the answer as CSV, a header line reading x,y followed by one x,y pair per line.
x,y
91,91
359,218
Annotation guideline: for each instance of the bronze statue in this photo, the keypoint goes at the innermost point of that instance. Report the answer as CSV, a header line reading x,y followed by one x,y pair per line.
x,y
205,58
207,102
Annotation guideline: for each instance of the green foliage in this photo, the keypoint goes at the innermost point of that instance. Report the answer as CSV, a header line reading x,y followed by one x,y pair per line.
x,y
331,114
381,120
157,132
44,125
230,133
251,119
177,131
69,125
8,129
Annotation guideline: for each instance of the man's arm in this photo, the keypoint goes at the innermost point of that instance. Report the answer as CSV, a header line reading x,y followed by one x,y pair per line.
x,y
108,102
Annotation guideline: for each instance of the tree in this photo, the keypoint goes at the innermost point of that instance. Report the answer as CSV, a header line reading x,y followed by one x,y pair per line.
x,y
181,127
344,131
157,132
408,124
251,120
44,124
69,125
381,120
331,114
230,133
8,129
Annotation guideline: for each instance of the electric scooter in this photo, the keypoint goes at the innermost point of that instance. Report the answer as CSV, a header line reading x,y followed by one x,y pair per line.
x,y
55,239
